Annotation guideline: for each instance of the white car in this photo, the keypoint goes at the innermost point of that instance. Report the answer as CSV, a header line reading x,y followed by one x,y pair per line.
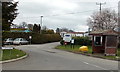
x,y
67,38
8,41
20,41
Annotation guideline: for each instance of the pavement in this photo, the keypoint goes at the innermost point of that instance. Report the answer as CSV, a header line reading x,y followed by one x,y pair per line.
x,y
45,57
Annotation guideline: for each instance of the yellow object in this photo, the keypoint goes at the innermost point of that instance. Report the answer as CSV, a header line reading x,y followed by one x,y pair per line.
x,y
83,49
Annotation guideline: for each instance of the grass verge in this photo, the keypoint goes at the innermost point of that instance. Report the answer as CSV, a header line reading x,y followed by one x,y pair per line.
x,y
75,49
12,54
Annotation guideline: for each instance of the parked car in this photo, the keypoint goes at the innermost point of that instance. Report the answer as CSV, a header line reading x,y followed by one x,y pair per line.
x,y
20,41
8,41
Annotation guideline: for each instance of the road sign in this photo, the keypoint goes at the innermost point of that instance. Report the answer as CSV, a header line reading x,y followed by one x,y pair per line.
x,y
7,48
72,41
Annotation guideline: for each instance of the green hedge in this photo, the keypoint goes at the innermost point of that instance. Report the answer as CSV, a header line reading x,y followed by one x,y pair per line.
x,y
82,41
36,37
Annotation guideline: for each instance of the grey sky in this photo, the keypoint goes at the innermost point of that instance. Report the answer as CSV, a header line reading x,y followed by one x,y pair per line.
x,y
71,14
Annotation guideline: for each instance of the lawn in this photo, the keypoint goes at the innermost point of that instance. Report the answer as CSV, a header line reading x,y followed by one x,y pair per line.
x,y
72,49
12,54
76,50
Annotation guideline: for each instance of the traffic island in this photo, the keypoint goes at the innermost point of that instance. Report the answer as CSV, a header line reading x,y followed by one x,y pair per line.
x,y
89,53
9,55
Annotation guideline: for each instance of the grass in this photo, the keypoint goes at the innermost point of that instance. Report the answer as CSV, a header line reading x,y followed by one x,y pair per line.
x,y
72,49
76,50
12,54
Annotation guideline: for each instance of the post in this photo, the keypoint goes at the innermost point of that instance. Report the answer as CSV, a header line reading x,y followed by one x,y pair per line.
x,y
41,25
100,5
30,37
100,11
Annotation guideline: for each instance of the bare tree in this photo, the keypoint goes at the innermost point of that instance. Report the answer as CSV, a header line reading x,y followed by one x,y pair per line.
x,y
44,28
23,25
107,19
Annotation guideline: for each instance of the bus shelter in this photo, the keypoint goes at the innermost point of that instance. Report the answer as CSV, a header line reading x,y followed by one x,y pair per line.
x,y
104,41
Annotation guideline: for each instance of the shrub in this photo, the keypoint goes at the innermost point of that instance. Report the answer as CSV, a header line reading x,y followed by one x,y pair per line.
x,y
82,41
37,38
62,42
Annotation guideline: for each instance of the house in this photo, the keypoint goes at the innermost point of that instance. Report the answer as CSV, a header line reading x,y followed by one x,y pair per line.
x,y
73,34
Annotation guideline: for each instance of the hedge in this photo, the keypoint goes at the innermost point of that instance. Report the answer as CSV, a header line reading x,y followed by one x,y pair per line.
x,y
36,37
82,41
79,41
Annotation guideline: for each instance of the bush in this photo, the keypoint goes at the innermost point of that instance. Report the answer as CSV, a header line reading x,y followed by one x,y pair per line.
x,y
82,41
37,38
62,42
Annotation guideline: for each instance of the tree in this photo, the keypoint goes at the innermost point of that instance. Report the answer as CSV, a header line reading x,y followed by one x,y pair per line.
x,y
39,28
23,25
9,13
107,19
36,28
65,29
57,30
71,31
44,28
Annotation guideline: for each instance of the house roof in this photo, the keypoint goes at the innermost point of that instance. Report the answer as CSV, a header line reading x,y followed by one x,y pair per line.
x,y
104,32
76,32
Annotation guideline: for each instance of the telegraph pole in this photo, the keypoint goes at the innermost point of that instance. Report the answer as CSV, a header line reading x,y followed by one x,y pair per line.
x,y
41,24
100,5
100,11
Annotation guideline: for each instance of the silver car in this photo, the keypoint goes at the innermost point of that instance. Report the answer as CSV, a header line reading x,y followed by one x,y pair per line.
x,y
8,41
20,41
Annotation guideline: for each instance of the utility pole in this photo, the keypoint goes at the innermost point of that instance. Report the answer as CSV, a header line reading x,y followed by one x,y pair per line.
x,y
100,11
41,24
101,5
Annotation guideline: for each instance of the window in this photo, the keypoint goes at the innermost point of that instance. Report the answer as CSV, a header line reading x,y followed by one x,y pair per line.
x,y
98,40
67,35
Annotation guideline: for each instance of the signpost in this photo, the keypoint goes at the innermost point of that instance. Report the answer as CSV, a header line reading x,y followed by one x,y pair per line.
x,y
8,48
72,43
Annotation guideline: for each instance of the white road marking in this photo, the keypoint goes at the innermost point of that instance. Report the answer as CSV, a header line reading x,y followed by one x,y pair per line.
x,y
95,65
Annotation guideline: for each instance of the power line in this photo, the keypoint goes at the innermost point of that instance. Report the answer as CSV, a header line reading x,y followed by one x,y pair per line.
x,y
71,13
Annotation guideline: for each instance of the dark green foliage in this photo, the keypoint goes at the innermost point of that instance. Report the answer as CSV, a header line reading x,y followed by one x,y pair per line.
x,y
36,28
37,38
9,13
62,42
82,41
47,31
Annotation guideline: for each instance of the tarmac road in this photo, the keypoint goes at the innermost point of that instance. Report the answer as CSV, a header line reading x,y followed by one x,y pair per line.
x,y
45,57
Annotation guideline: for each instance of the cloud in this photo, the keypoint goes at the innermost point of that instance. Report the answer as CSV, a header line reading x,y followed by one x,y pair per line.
x,y
71,14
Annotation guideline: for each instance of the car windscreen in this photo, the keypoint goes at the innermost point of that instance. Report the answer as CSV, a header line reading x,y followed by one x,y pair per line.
x,y
16,39
67,35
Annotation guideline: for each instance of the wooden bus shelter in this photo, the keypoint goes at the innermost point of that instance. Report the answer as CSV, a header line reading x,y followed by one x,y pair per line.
x,y
104,41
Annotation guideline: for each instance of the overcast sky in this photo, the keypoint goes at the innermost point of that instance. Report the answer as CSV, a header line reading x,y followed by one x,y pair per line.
x,y
71,14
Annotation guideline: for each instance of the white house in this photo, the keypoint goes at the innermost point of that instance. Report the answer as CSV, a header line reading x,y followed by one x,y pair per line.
x,y
73,34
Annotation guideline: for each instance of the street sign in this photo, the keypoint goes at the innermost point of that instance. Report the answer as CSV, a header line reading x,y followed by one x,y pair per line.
x,y
7,48
72,41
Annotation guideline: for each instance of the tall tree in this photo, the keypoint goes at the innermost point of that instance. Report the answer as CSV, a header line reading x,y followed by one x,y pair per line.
x,y
57,30
39,28
107,19
9,13
36,28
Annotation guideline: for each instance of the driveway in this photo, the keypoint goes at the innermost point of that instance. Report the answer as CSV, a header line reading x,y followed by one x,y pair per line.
x,y
45,57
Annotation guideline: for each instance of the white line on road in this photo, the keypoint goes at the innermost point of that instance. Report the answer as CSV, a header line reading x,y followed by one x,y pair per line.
x,y
95,65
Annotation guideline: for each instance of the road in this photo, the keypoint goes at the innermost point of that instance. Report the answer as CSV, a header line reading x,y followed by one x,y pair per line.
x,y
45,57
